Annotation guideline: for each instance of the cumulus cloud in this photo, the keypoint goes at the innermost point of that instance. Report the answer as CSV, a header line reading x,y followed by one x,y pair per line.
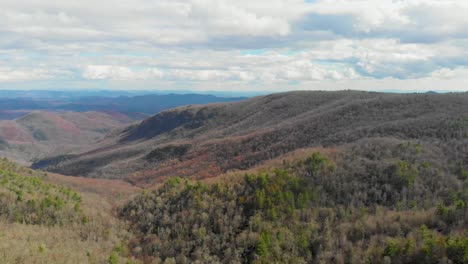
x,y
159,22
280,44
418,21
281,68
9,75
447,74
104,72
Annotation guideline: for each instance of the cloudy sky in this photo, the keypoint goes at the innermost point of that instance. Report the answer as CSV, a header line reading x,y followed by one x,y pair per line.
x,y
254,45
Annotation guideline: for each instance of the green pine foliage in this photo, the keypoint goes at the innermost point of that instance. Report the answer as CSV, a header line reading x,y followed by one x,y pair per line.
x,y
372,204
26,198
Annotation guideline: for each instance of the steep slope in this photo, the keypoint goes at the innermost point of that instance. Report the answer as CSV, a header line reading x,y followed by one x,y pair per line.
x,y
372,201
38,134
204,141
43,220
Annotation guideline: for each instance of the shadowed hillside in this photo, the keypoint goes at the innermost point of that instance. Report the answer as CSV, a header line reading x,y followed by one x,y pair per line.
x,y
204,141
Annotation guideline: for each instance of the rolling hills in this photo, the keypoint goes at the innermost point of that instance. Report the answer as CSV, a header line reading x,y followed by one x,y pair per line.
x,y
204,141
41,133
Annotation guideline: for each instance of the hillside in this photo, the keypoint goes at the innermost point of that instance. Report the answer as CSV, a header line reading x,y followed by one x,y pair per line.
x,y
43,220
39,133
207,140
372,201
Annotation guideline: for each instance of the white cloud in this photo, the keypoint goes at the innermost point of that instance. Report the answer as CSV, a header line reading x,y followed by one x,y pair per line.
x,y
162,21
449,74
285,69
109,72
426,17
9,75
207,42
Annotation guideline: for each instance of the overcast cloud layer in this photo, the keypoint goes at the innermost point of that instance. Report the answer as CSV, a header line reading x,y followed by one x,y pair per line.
x,y
264,45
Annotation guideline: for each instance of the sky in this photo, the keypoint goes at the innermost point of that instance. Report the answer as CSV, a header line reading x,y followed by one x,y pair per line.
x,y
227,45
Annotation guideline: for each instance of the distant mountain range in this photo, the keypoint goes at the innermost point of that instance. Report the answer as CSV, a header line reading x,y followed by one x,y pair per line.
x,y
145,104
206,140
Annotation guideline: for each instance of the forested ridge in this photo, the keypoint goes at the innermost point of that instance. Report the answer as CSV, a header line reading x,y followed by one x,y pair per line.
x,y
217,138
376,201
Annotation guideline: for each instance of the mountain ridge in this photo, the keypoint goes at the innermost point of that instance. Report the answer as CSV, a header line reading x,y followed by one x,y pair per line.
x,y
228,136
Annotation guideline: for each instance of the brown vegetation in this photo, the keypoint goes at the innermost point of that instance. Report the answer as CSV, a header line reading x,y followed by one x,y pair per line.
x,y
43,220
39,134
374,201
239,136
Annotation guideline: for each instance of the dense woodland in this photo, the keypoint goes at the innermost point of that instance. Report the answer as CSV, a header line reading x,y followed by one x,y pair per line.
x,y
43,222
29,200
378,201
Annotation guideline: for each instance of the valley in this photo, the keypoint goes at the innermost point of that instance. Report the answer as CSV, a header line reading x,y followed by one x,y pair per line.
x,y
39,134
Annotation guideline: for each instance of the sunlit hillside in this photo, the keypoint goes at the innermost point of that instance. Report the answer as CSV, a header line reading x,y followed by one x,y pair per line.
x,y
45,222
